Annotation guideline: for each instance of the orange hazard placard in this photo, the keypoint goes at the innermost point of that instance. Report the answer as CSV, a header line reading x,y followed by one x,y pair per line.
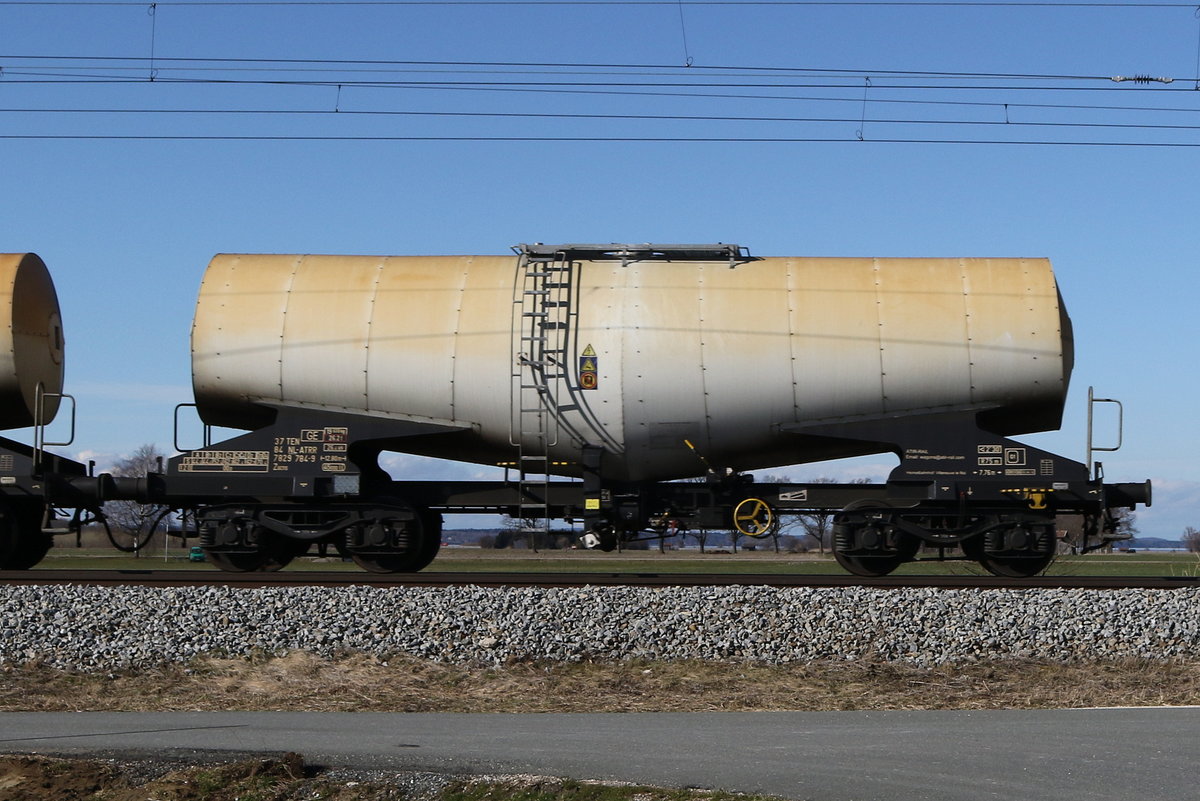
x,y
589,369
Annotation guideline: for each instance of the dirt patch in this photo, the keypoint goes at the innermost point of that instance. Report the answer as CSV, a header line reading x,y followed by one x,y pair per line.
x,y
36,778
27,778
358,683
39,778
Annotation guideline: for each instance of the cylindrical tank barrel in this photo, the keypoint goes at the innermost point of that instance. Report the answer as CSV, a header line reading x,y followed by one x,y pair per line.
x,y
31,344
636,357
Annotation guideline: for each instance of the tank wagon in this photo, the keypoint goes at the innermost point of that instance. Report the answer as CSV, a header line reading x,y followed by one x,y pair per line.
x,y
601,374
33,482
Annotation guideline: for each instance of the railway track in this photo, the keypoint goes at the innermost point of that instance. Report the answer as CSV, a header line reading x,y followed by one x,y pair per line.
x,y
181,578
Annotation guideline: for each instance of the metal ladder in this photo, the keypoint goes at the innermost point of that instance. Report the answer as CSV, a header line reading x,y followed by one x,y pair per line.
x,y
541,310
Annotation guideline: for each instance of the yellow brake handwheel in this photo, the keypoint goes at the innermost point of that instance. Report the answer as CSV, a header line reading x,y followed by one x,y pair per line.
x,y
753,517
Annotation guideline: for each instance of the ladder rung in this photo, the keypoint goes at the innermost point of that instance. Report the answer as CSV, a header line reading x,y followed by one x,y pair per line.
x,y
534,314
536,292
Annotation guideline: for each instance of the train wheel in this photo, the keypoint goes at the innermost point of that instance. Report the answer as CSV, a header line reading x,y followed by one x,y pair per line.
x,y
250,561
868,565
274,553
1019,548
1016,566
22,543
399,545
238,562
867,543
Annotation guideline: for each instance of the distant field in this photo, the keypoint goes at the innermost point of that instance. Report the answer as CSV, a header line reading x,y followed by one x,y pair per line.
x,y
690,561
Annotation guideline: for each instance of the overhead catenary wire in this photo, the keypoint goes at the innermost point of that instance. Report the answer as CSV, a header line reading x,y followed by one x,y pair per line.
x,y
27,77
339,112
593,139
980,104
687,56
945,123
256,64
1060,4
913,87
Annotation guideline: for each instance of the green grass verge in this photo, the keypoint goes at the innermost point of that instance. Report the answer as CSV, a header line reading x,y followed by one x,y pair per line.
x,y
457,560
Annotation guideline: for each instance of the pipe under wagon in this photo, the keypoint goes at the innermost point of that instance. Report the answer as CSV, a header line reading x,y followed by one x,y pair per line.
x,y
599,373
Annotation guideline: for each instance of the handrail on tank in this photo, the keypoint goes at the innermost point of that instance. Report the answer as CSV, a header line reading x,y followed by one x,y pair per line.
x,y
206,438
40,422
1091,446
637,252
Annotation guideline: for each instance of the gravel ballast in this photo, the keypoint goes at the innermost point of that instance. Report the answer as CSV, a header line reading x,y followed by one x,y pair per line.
x,y
105,628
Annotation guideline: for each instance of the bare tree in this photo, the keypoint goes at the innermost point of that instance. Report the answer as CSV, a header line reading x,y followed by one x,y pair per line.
x,y
734,535
1191,539
532,531
817,525
1125,523
784,526
132,524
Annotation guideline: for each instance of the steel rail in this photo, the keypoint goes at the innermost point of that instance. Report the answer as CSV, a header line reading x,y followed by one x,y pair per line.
x,y
183,578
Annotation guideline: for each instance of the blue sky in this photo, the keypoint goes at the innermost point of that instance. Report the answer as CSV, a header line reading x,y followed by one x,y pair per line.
x,y
127,226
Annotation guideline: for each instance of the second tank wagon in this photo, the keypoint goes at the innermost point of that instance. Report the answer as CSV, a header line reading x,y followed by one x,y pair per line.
x,y
599,373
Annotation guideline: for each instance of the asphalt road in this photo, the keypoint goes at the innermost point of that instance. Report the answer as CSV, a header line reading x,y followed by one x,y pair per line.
x,y
1099,754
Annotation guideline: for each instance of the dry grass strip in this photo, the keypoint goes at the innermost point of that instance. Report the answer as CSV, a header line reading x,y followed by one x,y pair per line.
x,y
301,681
